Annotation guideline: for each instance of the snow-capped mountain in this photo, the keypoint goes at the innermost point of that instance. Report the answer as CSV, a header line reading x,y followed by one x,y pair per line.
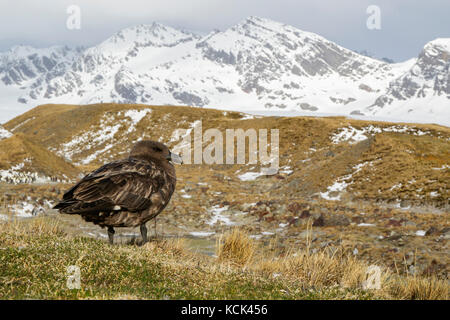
x,y
424,90
21,64
255,65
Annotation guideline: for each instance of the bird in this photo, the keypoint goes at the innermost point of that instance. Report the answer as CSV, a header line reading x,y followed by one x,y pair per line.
x,y
127,192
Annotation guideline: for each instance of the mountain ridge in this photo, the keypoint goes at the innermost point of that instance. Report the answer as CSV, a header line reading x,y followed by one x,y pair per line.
x,y
257,64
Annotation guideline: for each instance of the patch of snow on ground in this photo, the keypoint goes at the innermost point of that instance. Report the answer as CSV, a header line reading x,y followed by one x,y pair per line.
x,y
434,194
25,209
341,183
179,135
353,135
286,170
136,116
4,134
445,166
201,234
337,187
185,195
420,233
250,176
94,155
94,138
350,134
22,123
247,116
217,216
396,186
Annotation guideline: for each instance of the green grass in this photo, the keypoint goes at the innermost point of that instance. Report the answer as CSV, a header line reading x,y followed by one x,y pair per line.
x,y
34,259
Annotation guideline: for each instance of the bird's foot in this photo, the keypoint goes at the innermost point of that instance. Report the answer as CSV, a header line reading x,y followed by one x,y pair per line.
x,y
144,234
111,235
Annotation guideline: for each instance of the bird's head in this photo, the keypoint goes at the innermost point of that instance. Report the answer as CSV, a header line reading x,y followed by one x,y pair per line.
x,y
155,151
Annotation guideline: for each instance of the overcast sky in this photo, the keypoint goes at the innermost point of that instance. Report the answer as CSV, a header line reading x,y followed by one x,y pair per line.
x,y
406,25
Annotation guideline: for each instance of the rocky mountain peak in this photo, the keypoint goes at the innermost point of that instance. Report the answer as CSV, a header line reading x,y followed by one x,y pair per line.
x,y
257,64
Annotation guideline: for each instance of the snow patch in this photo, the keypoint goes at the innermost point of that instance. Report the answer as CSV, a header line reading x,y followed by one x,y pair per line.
x,y
350,134
4,134
420,233
341,183
24,209
217,216
286,170
354,135
201,234
250,176
366,225
136,116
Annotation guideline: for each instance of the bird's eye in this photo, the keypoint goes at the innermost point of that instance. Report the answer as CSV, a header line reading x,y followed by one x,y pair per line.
x,y
157,149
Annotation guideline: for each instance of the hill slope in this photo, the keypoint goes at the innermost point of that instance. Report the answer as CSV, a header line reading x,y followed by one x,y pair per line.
x,y
24,160
376,161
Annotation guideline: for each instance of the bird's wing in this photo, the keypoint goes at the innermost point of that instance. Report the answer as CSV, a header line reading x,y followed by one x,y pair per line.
x,y
126,183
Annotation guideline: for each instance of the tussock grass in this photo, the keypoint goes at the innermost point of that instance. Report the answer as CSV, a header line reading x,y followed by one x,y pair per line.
x,y
236,247
175,247
35,226
325,268
417,288
320,269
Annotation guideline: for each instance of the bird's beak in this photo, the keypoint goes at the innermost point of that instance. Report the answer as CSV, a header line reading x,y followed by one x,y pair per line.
x,y
175,158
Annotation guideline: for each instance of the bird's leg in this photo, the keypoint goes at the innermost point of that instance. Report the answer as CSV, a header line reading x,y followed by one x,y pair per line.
x,y
111,234
155,228
144,233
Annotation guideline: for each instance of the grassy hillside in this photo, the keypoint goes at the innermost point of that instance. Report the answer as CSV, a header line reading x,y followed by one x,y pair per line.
x,y
35,157
397,161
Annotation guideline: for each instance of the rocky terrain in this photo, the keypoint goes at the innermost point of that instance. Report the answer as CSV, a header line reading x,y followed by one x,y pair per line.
x,y
256,65
378,189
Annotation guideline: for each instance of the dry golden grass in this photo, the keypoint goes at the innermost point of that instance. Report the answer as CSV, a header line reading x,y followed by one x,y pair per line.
x,y
175,246
319,269
325,269
235,247
16,230
32,227
417,288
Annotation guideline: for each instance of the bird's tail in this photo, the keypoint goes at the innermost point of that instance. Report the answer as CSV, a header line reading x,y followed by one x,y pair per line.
x,y
64,206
